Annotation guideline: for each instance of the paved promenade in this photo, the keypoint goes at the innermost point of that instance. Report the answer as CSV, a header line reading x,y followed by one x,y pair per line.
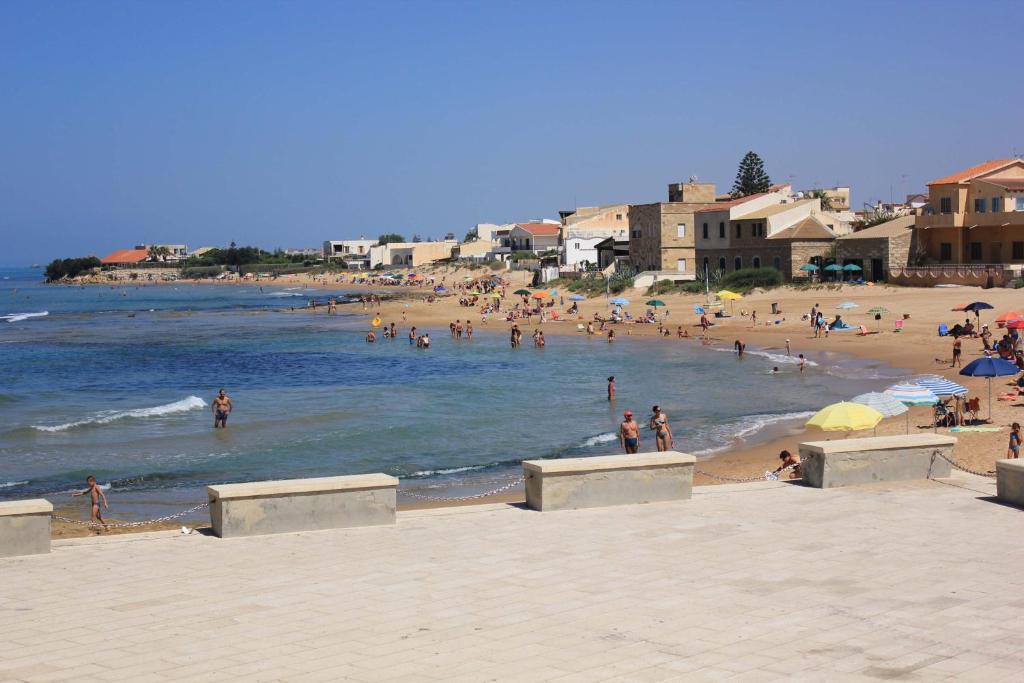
x,y
771,581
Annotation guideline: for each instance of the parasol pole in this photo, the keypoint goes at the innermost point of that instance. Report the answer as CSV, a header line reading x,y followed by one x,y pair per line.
x,y
989,399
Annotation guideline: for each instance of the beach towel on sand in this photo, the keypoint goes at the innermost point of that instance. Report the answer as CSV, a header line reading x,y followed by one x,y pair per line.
x,y
975,429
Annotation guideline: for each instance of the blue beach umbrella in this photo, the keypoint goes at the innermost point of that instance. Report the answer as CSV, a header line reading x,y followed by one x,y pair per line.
x,y
809,267
940,386
852,267
577,297
553,292
699,310
912,394
619,301
989,367
847,305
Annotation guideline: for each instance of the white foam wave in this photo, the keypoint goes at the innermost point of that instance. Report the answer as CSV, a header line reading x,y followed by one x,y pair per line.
x,y
730,433
18,317
284,294
774,357
11,484
450,470
106,417
599,439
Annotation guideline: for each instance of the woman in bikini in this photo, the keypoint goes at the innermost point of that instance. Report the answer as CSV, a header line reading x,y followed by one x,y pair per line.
x,y
662,430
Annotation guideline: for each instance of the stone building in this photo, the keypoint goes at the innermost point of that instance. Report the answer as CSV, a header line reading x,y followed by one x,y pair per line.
x,y
661,235
878,249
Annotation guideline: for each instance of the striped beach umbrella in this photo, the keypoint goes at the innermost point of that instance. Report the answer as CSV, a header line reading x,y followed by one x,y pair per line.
x,y
911,394
883,403
940,386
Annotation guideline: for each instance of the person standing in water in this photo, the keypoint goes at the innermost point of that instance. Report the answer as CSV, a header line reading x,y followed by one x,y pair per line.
x,y
221,407
611,388
629,433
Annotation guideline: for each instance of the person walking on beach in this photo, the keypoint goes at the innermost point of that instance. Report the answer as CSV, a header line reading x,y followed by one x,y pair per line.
x,y
1013,452
739,347
663,438
611,388
629,433
96,494
956,353
788,353
221,407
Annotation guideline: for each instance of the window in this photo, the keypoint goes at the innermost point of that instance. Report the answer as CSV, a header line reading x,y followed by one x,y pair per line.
x,y
618,216
704,231
721,263
738,263
1018,251
1020,203
739,230
721,226
946,205
996,208
946,251
681,265
975,250
635,234
681,230
979,205
777,263
757,262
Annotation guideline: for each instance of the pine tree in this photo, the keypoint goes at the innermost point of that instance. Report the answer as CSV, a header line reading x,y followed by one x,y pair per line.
x,y
751,177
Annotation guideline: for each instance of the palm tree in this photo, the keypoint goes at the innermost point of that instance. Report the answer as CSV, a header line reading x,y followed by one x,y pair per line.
x,y
156,253
826,199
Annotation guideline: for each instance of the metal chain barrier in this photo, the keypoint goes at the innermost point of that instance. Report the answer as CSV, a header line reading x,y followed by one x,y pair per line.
x,y
963,468
500,489
124,525
767,476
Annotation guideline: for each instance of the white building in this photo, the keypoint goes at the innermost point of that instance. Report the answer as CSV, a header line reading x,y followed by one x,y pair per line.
x,y
577,251
355,253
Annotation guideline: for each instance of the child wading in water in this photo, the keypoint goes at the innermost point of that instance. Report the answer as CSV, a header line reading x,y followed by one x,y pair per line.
x,y
97,495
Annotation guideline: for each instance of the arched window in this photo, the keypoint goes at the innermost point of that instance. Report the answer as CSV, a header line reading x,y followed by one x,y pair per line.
x,y
777,262
739,262
707,265
757,262
721,263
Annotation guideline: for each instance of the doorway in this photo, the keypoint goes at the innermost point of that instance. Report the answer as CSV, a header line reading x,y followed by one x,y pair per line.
x,y
877,271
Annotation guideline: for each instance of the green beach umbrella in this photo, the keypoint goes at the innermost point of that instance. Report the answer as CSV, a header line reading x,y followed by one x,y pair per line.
x,y
655,303
522,292
809,267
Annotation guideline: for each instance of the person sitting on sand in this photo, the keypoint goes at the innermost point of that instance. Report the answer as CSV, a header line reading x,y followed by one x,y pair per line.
x,y
789,460
96,493
629,433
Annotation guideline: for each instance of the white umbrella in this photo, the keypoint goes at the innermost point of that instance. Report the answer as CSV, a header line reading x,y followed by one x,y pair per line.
x,y
911,394
883,403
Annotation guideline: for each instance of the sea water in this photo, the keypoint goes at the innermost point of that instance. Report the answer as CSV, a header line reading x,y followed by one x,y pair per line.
x,y
117,382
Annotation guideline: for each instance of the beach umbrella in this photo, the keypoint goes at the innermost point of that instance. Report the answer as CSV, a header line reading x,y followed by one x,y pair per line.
x,y
852,267
940,386
541,295
1010,315
977,307
912,394
809,267
883,403
959,307
619,301
833,268
847,305
726,295
845,416
522,292
698,309
577,297
494,295
655,303
1015,325
553,292
878,311
989,367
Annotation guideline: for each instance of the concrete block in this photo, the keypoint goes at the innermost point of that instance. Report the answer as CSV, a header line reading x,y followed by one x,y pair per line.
x,y
573,483
274,507
25,527
848,462
1010,481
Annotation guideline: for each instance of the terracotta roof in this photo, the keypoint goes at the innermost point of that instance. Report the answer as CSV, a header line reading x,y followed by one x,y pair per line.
x,y
722,206
125,256
972,172
540,228
809,228
894,228
1014,184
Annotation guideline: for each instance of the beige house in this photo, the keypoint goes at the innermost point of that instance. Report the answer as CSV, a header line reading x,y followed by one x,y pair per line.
x,y
411,254
610,220
661,236
975,216
879,249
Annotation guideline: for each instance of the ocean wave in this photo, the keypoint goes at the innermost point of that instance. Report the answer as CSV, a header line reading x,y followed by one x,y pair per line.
x,y
450,470
11,484
728,434
607,437
18,317
183,406
774,357
284,294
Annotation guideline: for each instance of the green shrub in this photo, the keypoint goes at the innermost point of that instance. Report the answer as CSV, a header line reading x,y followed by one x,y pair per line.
x,y
201,272
747,279
58,269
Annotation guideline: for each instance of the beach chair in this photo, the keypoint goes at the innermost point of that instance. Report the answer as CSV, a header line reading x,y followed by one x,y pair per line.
x,y
580,327
899,326
974,408
864,331
943,330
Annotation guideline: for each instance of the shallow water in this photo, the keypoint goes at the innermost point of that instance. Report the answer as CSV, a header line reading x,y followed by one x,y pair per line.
x,y
117,383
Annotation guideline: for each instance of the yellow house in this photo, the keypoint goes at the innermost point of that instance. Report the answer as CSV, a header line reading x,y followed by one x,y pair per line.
x,y
975,216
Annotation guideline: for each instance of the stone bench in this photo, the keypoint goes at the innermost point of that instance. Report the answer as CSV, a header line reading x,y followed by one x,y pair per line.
x,y
25,527
274,507
848,462
1010,481
572,483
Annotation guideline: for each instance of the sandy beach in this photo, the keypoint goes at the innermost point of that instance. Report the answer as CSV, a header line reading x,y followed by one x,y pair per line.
x,y
917,348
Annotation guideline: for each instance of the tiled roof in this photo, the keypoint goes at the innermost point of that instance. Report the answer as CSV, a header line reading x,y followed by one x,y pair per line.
x,y
772,210
722,206
809,228
1014,184
894,228
972,172
125,256
540,228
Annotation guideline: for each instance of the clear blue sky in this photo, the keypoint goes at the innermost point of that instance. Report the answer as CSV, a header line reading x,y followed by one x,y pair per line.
x,y
284,124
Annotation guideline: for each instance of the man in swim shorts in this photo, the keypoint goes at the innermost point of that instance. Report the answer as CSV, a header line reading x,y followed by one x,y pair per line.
x,y
629,433
221,407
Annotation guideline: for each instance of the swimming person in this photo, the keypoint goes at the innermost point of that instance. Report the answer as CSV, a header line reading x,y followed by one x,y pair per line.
x,y
96,493
662,431
629,433
221,407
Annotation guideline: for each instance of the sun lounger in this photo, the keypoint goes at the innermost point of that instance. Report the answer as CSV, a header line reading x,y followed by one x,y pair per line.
x,y
943,330
864,331
899,326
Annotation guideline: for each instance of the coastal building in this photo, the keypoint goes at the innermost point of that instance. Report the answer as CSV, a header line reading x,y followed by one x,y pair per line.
x,y
125,257
411,254
169,252
200,251
586,226
975,216
355,253
580,253
661,235
537,237
879,249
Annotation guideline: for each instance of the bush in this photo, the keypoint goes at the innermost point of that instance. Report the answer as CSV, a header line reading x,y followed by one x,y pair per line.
x,y
201,272
672,287
747,279
58,269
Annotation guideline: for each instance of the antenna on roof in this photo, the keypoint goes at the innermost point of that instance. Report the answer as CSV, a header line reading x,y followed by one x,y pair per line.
x,y
692,179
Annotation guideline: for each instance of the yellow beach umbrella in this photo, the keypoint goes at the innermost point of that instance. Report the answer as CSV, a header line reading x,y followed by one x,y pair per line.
x,y
375,322
845,417
726,295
